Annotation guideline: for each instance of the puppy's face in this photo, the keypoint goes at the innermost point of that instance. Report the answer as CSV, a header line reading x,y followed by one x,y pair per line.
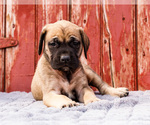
x,y
64,42
64,51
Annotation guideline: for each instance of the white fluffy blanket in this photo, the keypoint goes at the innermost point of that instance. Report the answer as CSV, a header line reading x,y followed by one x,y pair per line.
x,y
19,108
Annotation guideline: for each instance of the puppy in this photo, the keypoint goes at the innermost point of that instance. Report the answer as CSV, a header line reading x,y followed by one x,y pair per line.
x,y
62,76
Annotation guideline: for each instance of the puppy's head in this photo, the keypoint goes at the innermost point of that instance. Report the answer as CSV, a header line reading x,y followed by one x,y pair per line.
x,y
63,45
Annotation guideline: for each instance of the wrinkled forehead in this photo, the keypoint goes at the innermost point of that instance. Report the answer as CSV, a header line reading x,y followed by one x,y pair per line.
x,y
62,33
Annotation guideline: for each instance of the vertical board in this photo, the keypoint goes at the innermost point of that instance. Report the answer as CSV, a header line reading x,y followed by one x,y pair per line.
x,y
88,17
49,11
143,45
105,47
118,44
1,50
20,25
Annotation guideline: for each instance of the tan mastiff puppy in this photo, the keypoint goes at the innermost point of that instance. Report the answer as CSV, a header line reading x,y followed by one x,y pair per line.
x,y
62,76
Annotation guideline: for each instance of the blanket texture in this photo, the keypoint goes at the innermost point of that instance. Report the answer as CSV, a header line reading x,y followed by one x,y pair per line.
x,y
19,108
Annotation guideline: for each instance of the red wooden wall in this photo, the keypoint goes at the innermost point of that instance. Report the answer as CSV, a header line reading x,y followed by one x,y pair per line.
x,y
1,50
119,35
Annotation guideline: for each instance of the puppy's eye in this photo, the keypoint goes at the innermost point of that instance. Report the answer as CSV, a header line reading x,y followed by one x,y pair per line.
x,y
74,42
54,43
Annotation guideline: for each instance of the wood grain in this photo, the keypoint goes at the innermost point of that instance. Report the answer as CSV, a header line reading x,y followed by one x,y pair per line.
x,y
2,15
119,39
20,25
88,17
118,45
143,46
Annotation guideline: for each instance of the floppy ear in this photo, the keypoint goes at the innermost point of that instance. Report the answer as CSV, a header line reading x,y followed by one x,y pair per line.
x,y
42,36
85,42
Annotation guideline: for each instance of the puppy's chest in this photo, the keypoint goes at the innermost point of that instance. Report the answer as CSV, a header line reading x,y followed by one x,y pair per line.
x,y
68,89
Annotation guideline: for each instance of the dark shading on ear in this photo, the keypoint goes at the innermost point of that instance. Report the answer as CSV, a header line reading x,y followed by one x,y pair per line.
x,y
85,42
42,36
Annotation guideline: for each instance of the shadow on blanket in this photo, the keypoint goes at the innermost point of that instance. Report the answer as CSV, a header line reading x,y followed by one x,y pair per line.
x,y
19,108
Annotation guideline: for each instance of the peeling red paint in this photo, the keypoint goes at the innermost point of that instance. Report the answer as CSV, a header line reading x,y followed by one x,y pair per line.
x,y
20,59
143,46
88,17
1,50
1,58
120,23
112,32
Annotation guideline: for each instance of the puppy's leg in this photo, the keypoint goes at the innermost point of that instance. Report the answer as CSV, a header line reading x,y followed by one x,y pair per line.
x,y
52,99
87,95
103,87
83,91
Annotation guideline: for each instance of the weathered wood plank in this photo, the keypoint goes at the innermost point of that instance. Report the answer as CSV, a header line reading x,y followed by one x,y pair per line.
x,y
20,25
2,15
143,45
105,47
118,45
49,12
88,17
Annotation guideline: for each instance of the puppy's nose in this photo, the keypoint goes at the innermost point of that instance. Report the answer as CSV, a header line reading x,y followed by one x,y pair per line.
x,y
65,58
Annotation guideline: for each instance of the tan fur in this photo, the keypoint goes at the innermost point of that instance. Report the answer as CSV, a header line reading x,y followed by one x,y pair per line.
x,y
49,84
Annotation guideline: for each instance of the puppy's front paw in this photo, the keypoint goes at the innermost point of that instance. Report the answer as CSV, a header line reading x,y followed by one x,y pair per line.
x,y
58,101
69,104
66,103
121,92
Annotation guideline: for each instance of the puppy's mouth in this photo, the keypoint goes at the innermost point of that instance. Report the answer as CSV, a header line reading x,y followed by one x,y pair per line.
x,y
65,68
